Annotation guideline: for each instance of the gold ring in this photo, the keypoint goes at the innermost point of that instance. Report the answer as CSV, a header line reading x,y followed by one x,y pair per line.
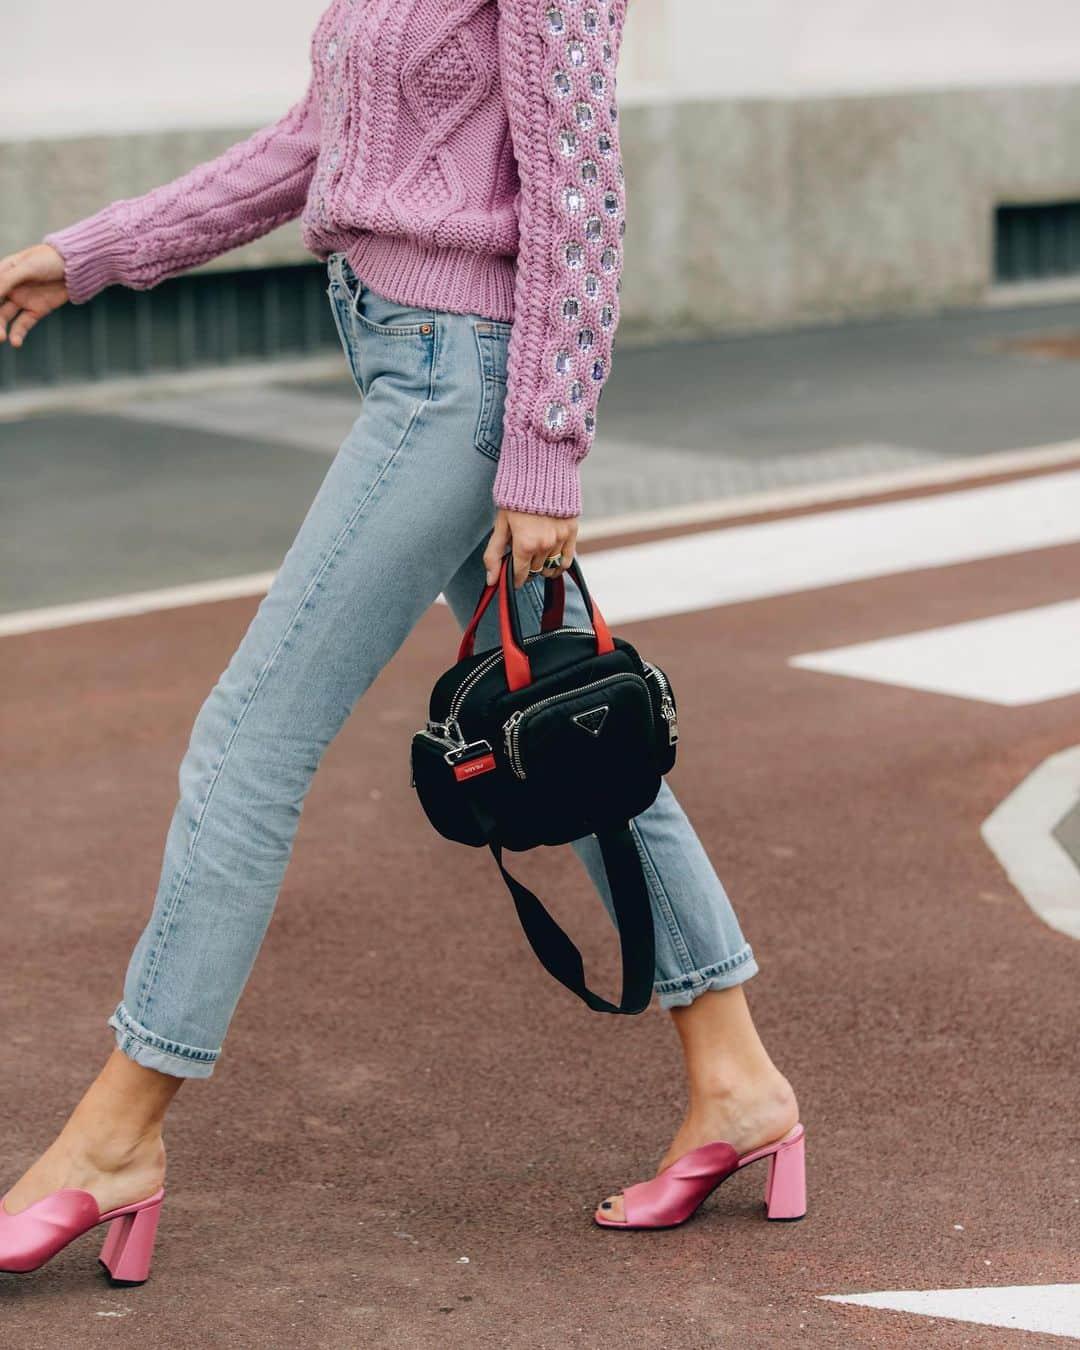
x,y
554,561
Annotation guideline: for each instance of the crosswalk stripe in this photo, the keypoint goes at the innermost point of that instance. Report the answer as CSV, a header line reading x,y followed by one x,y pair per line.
x,y
782,557
1010,659
1053,1309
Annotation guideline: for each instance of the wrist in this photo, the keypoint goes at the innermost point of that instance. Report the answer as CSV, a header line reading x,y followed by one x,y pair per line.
x,y
537,476
94,253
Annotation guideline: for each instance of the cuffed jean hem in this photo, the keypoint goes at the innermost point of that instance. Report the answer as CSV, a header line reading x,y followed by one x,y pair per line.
x,y
726,974
155,1052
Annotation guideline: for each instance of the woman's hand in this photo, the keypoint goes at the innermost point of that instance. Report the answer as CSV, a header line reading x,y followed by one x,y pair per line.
x,y
533,539
31,286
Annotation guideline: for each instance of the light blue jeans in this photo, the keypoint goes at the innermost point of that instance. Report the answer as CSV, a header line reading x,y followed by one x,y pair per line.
x,y
403,514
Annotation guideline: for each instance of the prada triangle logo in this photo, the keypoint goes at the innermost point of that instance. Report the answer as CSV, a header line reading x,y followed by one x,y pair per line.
x,y
593,720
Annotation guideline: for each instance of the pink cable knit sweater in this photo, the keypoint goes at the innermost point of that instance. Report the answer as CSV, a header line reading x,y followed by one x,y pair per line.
x,y
464,154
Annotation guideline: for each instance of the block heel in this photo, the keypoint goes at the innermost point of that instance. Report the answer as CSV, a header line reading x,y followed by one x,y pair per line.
x,y
129,1246
785,1184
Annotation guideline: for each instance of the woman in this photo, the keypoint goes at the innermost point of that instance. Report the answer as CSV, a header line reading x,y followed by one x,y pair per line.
x,y
457,164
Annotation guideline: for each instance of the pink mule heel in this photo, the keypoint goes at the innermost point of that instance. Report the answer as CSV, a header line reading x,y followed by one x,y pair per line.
x,y
129,1245
672,1197
34,1236
785,1185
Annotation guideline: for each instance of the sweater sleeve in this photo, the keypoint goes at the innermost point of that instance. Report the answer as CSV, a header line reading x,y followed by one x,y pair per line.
x,y
246,192
557,59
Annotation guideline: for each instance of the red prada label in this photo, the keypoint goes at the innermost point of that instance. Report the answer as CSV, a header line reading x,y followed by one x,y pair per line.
x,y
472,767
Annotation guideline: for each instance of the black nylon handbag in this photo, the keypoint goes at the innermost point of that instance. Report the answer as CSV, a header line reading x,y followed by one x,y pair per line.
x,y
547,739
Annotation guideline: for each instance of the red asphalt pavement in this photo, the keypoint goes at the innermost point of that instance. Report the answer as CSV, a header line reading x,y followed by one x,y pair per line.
x,y
411,1123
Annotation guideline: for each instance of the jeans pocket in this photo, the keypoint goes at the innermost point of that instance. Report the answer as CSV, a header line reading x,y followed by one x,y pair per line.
x,y
492,343
341,309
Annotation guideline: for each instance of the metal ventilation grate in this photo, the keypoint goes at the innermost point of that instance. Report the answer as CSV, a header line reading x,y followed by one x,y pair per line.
x,y
206,319
1037,243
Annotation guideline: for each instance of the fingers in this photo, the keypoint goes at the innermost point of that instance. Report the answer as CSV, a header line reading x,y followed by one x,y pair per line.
x,y
8,310
537,561
27,304
567,547
535,539
31,281
38,265
523,564
496,547
564,548
22,325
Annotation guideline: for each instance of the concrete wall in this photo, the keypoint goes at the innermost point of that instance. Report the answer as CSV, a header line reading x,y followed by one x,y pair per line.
x,y
120,66
763,213
788,161
791,48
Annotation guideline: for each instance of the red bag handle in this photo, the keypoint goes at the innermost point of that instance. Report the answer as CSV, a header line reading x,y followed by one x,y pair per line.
x,y
554,609
468,638
518,674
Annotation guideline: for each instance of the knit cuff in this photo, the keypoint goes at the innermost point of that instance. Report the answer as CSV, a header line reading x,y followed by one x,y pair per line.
x,y
538,476
94,252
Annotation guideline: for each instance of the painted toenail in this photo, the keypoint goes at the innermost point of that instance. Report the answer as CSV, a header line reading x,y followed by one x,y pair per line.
x,y
605,1204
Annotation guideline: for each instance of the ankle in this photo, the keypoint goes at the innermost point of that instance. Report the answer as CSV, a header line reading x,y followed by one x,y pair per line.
x,y
115,1147
766,1089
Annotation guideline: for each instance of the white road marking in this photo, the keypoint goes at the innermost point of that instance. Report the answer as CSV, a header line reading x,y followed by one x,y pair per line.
x,y
781,557
750,562
141,602
1053,1309
1010,659
1019,834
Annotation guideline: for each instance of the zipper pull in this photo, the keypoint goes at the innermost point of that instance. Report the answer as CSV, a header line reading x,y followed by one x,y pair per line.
x,y
667,709
508,732
448,733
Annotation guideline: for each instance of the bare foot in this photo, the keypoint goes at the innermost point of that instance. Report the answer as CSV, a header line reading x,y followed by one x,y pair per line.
x,y
116,1172
747,1118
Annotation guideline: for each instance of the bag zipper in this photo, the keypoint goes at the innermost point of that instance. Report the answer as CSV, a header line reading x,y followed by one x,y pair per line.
x,y
667,703
482,669
512,725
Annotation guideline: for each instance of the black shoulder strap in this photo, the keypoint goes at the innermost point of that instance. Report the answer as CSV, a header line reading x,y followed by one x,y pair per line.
x,y
633,915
